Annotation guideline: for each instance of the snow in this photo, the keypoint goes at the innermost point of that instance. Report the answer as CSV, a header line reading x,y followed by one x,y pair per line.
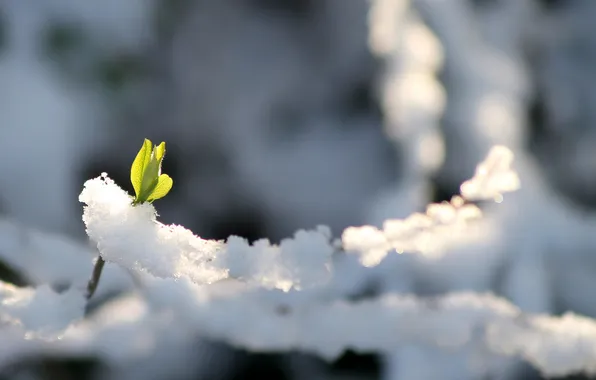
x,y
534,248
122,330
297,262
286,297
131,237
287,293
493,177
40,311
443,224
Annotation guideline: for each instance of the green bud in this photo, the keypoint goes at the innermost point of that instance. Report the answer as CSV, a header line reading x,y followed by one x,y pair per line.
x,y
145,174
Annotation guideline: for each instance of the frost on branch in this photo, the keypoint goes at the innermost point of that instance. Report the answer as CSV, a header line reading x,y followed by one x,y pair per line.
x,y
132,237
442,224
283,296
272,321
39,311
493,177
298,262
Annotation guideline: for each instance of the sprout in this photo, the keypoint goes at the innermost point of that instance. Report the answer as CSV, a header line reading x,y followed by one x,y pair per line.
x,y
149,184
145,174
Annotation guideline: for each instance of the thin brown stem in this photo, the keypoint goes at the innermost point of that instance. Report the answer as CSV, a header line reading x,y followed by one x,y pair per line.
x,y
94,281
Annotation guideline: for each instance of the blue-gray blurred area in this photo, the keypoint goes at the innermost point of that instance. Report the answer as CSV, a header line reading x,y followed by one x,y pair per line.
x,y
274,117
267,109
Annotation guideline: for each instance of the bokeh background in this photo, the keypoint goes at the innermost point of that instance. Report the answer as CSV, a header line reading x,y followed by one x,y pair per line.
x,y
287,114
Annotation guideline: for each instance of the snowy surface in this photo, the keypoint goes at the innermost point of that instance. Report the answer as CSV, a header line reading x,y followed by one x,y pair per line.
x,y
442,224
187,285
455,80
131,237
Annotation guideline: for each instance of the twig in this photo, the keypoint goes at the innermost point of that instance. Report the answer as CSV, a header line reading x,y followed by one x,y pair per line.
x,y
94,281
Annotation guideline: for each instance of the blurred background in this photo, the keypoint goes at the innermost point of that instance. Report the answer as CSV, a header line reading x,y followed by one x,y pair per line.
x,y
287,114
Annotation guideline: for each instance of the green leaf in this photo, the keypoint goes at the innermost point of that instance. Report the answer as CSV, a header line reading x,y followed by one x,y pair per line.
x,y
150,178
139,164
160,151
163,187
145,174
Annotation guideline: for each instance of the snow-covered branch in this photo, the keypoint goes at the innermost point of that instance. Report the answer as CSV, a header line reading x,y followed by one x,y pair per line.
x,y
265,297
272,321
308,319
442,224
132,237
